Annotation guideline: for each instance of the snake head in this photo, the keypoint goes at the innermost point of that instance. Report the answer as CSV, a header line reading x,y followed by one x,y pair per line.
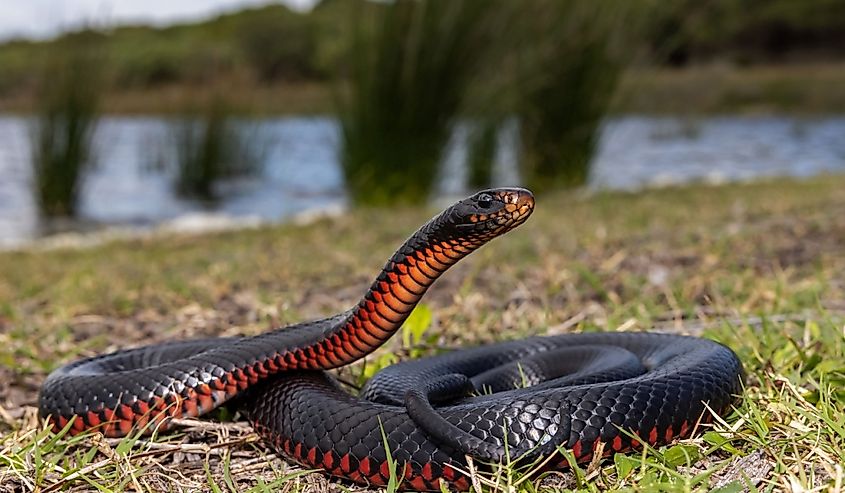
x,y
490,213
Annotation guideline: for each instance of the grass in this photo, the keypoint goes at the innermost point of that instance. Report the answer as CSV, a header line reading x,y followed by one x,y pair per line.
x,y
758,267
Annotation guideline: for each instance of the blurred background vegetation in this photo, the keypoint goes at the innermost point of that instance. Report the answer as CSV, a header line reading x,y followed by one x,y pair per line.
x,y
401,76
412,64
211,144
68,89
276,46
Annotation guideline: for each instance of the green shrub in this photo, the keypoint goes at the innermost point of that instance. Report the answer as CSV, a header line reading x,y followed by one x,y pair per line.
x,y
68,99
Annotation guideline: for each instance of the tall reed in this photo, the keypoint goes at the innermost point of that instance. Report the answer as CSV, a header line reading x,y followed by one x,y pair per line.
x,y
210,145
571,59
481,151
409,73
69,93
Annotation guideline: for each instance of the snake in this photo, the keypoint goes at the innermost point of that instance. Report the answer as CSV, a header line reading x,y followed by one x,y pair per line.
x,y
419,423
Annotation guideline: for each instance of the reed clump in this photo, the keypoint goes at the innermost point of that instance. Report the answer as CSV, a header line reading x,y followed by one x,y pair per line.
x,y
69,94
410,66
211,145
569,64
481,152
419,67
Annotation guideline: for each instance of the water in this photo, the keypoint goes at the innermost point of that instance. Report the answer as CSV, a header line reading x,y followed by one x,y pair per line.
x,y
301,171
636,151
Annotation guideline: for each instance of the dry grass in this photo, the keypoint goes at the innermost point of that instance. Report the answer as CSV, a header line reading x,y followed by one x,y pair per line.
x,y
759,267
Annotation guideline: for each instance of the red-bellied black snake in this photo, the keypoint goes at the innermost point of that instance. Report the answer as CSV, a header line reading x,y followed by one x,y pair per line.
x,y
517,400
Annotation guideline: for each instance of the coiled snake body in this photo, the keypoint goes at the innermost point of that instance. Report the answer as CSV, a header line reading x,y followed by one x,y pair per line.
x,y
619,389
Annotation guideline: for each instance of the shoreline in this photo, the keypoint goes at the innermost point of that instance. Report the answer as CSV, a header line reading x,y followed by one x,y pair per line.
x,y
201,224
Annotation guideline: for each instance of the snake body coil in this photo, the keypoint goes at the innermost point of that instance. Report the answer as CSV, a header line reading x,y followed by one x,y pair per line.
x,y
619,389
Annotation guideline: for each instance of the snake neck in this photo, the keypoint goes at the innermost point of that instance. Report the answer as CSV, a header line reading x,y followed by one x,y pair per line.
x,y
424,257
400,285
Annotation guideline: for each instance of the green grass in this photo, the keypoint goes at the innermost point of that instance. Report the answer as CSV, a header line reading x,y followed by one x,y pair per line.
x,y
758,267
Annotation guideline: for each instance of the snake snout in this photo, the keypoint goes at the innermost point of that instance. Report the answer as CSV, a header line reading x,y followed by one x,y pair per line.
x,y
524,201
521,197
519,204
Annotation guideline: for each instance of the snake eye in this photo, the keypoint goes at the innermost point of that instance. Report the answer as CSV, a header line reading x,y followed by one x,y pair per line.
x,y
485,200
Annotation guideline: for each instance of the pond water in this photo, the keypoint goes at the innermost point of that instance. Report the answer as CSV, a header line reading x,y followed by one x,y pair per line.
x,y
300,170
